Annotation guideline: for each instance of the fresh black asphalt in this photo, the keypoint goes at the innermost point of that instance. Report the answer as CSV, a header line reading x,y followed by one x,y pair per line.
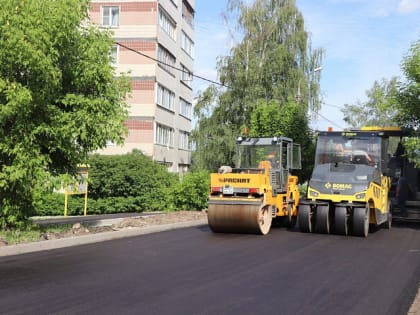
x,y
193,271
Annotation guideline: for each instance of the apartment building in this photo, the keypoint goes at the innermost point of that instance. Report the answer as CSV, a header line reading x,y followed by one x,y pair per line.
x,y
161,100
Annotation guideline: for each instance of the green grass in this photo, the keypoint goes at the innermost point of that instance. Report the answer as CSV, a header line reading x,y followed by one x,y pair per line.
x,y
31,234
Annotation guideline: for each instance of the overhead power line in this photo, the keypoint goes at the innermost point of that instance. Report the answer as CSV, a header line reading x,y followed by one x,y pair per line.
x,y
331,105
330,121
171,66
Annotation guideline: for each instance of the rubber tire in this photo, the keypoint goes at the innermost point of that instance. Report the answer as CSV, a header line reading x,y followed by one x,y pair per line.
x,y
361,221
323,224
341,224
305,218
290,219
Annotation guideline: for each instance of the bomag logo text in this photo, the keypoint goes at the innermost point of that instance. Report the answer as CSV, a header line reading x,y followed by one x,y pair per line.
x,y
336,186
235,180
349,134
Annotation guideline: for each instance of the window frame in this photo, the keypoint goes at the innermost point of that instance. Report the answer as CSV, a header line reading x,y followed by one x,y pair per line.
x,y
184,104
187,44
184,140
165,97
166,60
115,59
110,16
186,76
164,135
166,23
187,13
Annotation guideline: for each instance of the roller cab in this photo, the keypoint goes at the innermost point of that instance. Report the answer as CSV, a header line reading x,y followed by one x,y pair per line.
x,y
259,191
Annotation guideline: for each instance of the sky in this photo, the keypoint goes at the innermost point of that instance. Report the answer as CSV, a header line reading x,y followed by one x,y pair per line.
x,y
363,40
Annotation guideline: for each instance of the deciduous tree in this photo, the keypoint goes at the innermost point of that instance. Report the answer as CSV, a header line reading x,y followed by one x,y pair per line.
x,y
379,110
272,61
59,97
409,100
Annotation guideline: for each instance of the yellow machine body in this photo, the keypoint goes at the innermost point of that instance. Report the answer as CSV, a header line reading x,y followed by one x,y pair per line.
x,y
251,199
349,187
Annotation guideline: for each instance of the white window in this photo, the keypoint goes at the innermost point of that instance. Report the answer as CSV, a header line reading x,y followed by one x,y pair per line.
x,y
110,16
186,76
185,108
164,135
166,60
166,23
187,13
184,140
187,44
165,97
114,55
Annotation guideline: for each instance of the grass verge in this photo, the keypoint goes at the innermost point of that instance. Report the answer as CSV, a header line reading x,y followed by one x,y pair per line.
x,y
31,234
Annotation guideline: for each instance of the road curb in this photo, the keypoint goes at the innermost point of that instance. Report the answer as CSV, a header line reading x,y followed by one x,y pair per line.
x,y
93,238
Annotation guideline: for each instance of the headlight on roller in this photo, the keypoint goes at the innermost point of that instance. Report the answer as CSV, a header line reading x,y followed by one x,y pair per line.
x,y
313,193
360,196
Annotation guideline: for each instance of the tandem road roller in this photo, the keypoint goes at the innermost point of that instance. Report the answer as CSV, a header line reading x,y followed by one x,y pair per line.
x,y
259,190
350,183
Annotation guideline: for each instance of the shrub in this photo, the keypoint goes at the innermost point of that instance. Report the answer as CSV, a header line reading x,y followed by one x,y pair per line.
x,y
192,191
131,183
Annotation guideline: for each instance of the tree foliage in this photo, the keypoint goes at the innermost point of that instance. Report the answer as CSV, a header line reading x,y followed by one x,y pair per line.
x,y
191,193
273,61
59,98
409,92
288,120
380,109
409,101
394,102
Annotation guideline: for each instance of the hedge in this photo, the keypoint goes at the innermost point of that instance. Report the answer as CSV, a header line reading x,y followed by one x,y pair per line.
x,y
131,183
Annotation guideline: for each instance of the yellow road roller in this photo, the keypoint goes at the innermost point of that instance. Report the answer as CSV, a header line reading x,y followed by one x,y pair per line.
x,y
350,183
259,191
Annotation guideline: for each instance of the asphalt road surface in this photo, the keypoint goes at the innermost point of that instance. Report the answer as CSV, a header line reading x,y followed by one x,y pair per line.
x,y
193,271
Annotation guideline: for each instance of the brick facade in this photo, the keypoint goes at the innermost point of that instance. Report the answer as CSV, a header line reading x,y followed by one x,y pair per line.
x,y
155,30
127,6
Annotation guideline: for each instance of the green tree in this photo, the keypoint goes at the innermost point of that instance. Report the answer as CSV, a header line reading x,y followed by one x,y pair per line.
x,y
289,120
273,61
214,137
379,110
409,100
59,97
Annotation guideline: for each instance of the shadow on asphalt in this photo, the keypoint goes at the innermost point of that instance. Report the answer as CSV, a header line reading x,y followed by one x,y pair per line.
x,y
406,224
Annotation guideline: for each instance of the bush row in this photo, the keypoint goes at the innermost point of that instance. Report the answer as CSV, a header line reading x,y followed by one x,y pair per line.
x,y
131,183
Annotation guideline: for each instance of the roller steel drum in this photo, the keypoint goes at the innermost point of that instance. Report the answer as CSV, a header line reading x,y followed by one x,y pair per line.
x,y
232,216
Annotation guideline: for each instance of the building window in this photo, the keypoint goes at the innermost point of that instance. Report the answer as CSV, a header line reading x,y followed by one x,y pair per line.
x,y
187,13
185,108
167,24
184,140
166,59
187,45
110,16
186,76
114,55
164,135
165,97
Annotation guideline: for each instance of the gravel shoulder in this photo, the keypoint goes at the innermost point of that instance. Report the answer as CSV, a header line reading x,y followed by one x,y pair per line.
x,y
149,220
80,233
